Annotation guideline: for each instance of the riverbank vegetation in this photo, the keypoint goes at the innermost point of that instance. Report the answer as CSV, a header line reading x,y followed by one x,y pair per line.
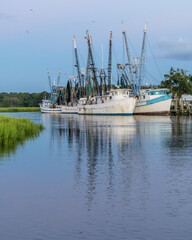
x,y
20,109
14,131
179,82
21,99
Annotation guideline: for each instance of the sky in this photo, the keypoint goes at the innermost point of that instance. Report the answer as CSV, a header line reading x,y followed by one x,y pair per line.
x,y
36,35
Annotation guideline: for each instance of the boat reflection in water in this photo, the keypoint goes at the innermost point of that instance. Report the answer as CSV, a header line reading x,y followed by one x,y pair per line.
x,y
96,177
113,148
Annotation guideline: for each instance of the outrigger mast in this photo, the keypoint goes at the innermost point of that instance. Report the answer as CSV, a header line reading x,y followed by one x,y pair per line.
x,y
91,64
136,66
142,59
77,62
110,62
58,79
49,78
128,54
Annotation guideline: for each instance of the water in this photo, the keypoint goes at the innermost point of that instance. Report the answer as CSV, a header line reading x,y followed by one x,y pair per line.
x,y
99,178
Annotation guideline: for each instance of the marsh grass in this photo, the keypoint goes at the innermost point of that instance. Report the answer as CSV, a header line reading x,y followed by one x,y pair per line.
x,y
20,109
14,131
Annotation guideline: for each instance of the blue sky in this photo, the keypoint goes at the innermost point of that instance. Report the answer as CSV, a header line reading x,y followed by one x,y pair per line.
x,y
37,34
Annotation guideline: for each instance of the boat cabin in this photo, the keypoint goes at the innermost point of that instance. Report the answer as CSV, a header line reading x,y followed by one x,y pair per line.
x,y
113,95
152,94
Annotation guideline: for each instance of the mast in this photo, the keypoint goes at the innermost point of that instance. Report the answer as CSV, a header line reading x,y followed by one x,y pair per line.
x,y
110,62
77,61
49,78
128,55
58,79
87,78
50,85
142,59
91,64
68,91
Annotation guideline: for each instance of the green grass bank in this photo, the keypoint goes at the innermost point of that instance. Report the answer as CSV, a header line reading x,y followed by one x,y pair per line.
x,y
14,131
20,109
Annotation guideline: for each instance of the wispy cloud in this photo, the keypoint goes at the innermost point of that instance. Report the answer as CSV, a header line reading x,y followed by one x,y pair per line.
x,y
180,49
5,16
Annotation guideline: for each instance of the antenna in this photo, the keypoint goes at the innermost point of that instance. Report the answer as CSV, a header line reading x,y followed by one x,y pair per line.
x,y
122,22
102,55
145,27
75,46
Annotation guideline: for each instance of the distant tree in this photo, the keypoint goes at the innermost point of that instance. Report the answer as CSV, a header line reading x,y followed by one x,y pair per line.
x,y
22,99
178,82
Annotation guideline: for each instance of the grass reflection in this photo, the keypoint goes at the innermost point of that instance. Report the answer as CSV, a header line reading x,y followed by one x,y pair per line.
x,y
15,131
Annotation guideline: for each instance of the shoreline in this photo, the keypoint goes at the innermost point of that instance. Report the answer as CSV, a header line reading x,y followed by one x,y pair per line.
x,y
19,109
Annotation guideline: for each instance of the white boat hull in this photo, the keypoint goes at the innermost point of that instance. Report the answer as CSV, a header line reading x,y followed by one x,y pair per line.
x,y
50,110
157,108
120,107
69,110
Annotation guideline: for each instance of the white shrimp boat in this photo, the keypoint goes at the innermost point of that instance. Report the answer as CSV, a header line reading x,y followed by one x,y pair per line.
x,y
117,102
153,102
47,107
69,109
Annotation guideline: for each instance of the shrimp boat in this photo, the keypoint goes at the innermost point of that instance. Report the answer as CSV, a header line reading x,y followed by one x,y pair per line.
x,y
69,109
47,107
104,102
50,105
72,89
149,101
117,102
153,102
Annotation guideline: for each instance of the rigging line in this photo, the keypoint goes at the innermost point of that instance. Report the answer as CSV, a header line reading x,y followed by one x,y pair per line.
x,y
155,79
96,57
116,58
154,58
148,78
114,50
81,57
152,77
150,82
123,60
135,52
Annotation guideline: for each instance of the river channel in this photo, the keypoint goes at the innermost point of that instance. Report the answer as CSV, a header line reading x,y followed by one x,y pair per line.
x,y
99,178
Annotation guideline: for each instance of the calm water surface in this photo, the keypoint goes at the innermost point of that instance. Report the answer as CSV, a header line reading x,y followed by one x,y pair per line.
x,y
99,178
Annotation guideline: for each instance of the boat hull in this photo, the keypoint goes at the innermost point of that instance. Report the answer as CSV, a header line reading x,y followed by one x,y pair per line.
x,y
50,110
153,108
122,107
69,110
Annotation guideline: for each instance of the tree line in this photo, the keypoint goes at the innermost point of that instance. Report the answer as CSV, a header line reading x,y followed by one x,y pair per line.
x,y
22,99
178,81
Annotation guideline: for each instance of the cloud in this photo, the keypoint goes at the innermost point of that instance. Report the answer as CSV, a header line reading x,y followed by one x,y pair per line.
x,y
5,16
178,50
